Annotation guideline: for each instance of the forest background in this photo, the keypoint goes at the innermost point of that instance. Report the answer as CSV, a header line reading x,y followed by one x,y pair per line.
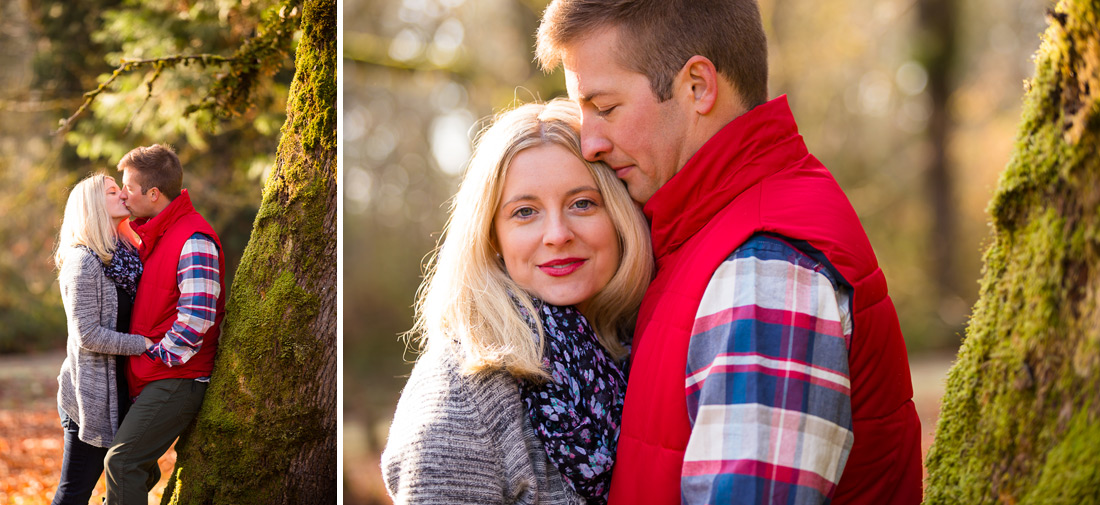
x,y
912,104
52,52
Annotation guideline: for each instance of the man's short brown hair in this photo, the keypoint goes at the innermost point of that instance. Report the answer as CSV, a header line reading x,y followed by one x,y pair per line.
x,y
656,38
156,166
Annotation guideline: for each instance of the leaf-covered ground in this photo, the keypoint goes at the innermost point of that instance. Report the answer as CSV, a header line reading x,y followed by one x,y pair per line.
x,y
30,433
31,438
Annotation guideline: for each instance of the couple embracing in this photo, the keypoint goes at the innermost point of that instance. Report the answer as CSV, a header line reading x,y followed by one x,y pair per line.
x,y
711,324
144,305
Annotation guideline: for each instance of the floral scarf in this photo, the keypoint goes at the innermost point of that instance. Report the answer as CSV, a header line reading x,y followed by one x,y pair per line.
x,y
125,269
577,412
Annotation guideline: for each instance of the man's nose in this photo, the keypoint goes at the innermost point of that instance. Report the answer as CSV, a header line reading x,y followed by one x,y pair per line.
x,y
594,142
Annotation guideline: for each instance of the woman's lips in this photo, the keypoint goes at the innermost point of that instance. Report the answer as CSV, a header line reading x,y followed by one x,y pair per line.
x,y
561,267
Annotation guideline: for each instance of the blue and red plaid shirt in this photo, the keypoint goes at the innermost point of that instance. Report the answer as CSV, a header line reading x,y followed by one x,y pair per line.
x,y
767,382
197,276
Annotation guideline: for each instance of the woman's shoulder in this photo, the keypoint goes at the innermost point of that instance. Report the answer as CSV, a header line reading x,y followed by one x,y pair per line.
x,y
446,425
440,397
438,377
80,260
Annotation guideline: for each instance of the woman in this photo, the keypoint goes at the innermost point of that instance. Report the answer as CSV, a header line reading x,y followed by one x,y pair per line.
x,y
99,271
544,261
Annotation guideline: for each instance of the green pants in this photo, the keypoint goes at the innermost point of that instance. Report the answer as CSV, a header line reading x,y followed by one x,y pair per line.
x,y
156,419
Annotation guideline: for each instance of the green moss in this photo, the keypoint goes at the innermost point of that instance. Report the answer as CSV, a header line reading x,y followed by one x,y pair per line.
x,y
1070,474
1019,411
317,88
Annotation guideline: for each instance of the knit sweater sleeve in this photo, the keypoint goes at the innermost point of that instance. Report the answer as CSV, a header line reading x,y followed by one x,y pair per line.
x,y
82,282
440,450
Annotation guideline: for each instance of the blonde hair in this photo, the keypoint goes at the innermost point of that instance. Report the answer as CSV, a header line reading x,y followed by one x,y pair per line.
x,y
86,221
466,296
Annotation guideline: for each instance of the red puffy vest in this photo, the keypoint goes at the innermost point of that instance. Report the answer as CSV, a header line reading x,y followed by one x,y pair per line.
x,y
162,239
756,175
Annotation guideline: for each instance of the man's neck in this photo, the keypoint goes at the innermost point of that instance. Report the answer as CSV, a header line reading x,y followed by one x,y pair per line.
x,y
728,107
160,208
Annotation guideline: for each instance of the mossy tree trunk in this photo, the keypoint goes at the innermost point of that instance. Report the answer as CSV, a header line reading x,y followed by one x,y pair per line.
x,y
1020,421
267,430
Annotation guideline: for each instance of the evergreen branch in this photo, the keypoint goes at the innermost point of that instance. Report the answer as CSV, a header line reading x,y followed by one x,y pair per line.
x,y
259,56
126,66
262,55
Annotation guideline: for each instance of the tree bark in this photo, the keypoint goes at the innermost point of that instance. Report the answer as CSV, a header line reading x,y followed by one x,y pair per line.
x,y
1021,415
267,430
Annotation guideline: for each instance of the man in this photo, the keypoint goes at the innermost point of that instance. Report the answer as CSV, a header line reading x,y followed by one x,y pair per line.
x,y
768,364
179,306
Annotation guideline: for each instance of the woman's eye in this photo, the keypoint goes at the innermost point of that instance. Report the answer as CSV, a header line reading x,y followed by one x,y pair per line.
x,y
523,212
584,204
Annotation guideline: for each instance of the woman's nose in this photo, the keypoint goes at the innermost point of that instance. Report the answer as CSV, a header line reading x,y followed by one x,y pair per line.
x,y
558,231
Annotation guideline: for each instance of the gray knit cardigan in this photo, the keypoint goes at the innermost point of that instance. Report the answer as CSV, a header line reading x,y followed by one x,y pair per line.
x,y
87,389
460,439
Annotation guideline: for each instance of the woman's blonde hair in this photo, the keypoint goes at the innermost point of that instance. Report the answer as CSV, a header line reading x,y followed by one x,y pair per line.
x,y
466,296
86,221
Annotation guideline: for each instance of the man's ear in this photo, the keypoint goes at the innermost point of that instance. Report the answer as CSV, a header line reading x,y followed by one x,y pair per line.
x,y
154,194
700,74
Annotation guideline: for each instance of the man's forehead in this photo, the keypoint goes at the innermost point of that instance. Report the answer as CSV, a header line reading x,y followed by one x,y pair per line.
x,y
129,178
591,67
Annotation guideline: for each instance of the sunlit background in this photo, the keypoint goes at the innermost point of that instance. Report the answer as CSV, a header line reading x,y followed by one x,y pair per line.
x,y
51,52
912,104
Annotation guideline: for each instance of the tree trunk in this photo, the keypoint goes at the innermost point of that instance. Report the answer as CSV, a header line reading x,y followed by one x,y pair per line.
x,y
1021,417
937,52
267,430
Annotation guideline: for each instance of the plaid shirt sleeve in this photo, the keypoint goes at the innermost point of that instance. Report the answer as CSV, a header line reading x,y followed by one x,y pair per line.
x,y
767,382
198,278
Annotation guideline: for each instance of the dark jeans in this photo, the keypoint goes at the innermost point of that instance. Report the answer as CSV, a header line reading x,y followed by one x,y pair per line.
x,y
81,467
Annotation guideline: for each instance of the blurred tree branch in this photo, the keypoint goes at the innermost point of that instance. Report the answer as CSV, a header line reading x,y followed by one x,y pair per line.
x,y
36,105
370,49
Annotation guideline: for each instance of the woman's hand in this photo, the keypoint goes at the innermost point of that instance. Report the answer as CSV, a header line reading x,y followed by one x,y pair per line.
x,y
149,343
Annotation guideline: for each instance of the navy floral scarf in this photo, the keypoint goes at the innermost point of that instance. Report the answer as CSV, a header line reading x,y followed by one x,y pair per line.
x,y
125,269
577,412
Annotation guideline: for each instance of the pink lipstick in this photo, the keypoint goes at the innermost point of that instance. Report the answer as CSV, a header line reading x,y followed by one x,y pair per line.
x,y
561,267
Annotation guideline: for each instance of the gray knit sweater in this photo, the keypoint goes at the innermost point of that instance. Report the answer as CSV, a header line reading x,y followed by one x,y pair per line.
x,y
458,439
87,389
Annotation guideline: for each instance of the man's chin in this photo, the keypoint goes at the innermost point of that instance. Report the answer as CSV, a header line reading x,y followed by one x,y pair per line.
x,y
639,194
